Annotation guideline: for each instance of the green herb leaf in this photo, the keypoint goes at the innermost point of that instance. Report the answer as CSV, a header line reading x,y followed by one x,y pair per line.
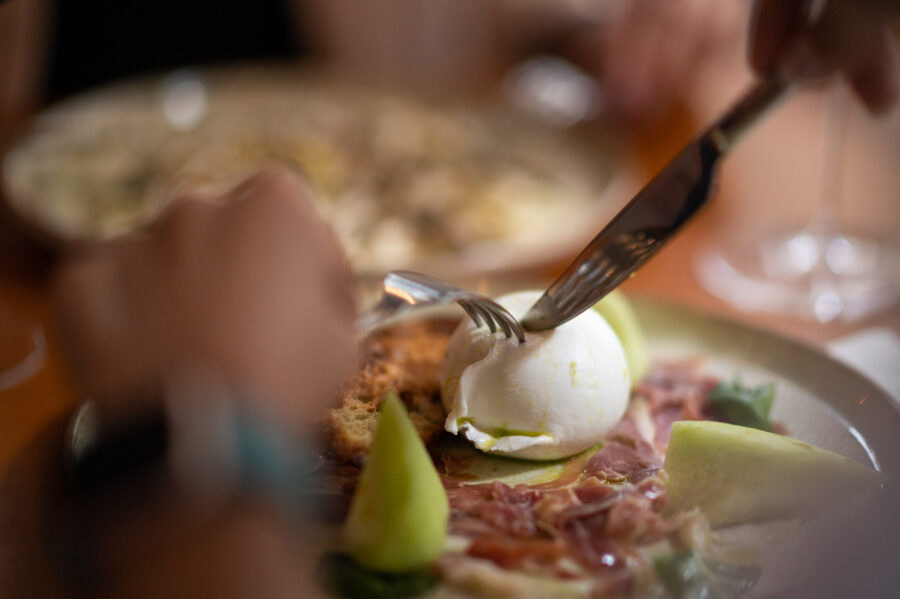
x,y
343,576
691,576
745,406
674,572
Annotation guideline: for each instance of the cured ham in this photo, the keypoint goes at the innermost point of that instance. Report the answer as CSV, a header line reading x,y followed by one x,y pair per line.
x,y
590,524
597,520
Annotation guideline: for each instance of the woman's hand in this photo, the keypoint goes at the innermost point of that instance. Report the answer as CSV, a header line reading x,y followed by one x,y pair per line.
x,y
253,287
850,36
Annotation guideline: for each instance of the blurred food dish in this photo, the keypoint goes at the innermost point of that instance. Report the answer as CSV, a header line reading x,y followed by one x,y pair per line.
x,y
405,181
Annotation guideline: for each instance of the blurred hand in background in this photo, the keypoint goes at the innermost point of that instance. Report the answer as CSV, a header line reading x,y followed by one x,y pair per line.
x,y
646,54
253,287
849,36
643,53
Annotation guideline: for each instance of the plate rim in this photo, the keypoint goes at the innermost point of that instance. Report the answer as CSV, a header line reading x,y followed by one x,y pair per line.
x,y
874,439
489,257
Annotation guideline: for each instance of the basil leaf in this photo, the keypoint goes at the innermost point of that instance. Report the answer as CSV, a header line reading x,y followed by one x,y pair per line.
x,y
343,576
745,406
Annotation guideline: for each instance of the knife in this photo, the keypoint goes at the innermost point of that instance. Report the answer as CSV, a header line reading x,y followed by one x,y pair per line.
x,y
653,216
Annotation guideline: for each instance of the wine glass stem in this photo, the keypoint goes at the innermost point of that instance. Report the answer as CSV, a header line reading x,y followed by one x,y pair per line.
x,y
825,298
825,219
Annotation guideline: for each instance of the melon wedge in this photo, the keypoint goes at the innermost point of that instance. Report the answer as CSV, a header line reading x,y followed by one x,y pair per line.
x,y
738,475
619,314
398,516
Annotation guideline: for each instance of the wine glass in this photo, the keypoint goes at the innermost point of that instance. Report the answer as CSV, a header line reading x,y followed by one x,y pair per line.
x,y
818,272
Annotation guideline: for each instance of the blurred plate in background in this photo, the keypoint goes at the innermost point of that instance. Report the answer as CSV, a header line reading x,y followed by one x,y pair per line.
x,y
455,190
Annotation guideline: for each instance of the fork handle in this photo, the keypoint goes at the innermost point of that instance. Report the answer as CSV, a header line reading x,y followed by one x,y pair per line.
x,y
728,129
385,312
369,320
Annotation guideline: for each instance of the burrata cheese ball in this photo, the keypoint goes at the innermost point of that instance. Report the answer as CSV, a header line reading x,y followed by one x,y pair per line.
x,y
551,397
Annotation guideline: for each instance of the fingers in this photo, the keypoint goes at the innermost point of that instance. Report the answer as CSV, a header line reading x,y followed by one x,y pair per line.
x,y
253,285
275,205
850,36
874,77
276,186
106,312
853,37
275,199
774,26
182,225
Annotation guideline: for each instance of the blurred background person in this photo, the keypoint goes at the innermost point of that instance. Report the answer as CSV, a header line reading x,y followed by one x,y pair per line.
x,y
645,54
458,47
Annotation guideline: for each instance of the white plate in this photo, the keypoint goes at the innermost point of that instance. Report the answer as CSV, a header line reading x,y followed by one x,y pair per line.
x,y
826,403
820,400
406,182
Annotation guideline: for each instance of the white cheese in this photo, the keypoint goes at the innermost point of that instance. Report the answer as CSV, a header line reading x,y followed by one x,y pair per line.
x,y
551,397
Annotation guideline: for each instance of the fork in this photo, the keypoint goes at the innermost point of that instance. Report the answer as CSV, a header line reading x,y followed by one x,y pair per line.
x,y
404,290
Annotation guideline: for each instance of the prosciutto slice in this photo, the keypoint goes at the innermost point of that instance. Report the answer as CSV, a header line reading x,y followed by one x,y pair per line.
x,y
590,524
599,519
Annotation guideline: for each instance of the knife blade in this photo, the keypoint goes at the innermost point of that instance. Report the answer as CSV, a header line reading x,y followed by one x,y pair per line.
x,y
653,216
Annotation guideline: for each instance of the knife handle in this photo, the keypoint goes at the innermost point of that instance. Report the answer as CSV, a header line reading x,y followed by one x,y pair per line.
x,y
727,130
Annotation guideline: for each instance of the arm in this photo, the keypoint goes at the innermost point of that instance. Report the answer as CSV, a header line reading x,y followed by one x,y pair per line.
x,y
252,289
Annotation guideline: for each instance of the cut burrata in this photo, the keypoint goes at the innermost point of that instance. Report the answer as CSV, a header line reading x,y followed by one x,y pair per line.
x,y
551,397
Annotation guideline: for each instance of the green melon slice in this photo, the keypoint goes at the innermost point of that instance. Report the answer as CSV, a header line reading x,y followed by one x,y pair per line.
x,y
398,516
617,311
737,475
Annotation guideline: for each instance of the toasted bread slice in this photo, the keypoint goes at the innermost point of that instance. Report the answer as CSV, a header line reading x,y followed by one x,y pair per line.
x,y
406,358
